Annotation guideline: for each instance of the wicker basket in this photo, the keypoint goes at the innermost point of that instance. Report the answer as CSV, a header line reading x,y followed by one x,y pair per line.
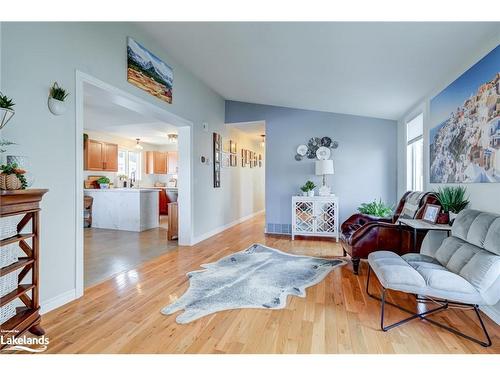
x,y
8,283
7,311
8,255
8,226
9,182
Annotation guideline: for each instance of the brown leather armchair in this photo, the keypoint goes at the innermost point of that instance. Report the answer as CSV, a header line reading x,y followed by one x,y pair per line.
x,y
363,234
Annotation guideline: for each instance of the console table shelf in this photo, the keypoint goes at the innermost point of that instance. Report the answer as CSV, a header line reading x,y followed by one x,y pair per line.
x,y
27,204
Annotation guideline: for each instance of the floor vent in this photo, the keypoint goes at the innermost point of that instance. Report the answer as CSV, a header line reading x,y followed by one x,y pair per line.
x,y
278,228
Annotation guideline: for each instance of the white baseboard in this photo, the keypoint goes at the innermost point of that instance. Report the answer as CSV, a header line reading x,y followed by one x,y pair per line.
x,y
493,313
223,228
57,301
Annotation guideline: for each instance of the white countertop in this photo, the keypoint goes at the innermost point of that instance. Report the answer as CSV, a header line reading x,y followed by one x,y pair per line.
x,y
121,190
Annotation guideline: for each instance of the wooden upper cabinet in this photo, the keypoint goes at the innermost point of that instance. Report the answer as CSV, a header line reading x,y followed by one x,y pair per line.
x,y
110,157
172,162
93,155
100,156
156,162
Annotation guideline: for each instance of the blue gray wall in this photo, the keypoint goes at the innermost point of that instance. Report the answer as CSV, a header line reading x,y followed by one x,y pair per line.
x,y
365,162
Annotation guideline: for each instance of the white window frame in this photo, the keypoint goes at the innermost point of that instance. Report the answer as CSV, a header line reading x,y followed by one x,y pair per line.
x,y
125,172
414,182
139,164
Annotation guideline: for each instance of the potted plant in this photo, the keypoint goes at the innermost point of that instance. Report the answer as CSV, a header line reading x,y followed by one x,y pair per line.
x,y
377,209
6,109
452,200
12,177
103,182
57,95
308,189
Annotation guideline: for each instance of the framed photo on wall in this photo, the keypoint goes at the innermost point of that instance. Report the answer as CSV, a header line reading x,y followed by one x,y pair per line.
x,y
217,148
232,147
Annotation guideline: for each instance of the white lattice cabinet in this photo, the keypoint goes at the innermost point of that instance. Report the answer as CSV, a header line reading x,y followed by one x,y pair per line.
x,y
315,216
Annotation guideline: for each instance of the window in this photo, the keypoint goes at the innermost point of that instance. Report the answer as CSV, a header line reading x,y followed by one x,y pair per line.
x,y
122,162
415,153
134,165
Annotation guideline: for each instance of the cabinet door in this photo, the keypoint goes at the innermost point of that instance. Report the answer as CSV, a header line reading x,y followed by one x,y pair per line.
x,y
110,157
304,217
325,216
94,155
160,162
172,162
150,162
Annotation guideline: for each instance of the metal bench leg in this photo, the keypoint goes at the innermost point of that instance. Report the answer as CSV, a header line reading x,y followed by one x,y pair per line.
x,y
423,316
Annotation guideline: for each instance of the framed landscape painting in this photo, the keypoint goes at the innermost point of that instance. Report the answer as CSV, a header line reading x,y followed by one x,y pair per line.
x,y
465,126
148,72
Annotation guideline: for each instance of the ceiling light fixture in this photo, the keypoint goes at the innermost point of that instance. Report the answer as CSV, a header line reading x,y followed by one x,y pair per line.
x,y
138,145
263,141
172,138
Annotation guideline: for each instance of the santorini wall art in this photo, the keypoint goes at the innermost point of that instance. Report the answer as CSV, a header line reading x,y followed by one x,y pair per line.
x,y
465,126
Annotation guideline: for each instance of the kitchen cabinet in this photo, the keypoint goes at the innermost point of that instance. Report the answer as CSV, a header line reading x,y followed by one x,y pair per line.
x,y
172,162
156,162
100,156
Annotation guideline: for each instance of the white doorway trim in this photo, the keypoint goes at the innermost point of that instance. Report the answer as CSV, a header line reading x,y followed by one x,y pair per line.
x,y
185,162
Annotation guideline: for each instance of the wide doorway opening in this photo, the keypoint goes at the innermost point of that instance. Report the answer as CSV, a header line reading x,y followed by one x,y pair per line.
x,y
134,183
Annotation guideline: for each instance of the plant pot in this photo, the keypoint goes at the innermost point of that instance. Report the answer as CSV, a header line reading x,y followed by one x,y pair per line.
x,y
9,182
304,193
453,216
57,107
104,186
310,193
5,116
443,218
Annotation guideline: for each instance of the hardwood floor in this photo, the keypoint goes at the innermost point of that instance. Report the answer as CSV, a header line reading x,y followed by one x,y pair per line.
x,y
122,315
109,252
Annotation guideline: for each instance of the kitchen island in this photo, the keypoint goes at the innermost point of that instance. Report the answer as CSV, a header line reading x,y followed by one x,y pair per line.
x,y
133,209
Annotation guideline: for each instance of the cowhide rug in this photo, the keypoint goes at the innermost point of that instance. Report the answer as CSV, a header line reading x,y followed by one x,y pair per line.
x,y
258,277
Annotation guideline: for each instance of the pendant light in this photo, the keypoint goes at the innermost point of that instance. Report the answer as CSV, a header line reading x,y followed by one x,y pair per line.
x,y
172,138
138,144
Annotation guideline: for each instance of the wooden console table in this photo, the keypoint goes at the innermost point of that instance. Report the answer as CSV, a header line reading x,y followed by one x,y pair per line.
x,y
27,203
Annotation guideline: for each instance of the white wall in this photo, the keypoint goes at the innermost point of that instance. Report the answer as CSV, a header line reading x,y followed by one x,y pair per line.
x,y
34,55
482,196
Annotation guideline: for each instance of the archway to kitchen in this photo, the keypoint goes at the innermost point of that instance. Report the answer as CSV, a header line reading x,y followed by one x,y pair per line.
x,y
115,119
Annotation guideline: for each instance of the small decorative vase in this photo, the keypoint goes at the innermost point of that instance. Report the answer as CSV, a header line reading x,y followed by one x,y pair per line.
x,y
9,182
310,193
443,218
57,107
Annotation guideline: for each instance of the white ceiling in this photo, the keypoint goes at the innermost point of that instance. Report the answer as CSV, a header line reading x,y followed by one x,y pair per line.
x,y
103,113
369,69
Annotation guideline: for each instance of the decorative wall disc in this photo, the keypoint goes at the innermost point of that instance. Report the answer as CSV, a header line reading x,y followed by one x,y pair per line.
x,y
323,153
302,150
326,141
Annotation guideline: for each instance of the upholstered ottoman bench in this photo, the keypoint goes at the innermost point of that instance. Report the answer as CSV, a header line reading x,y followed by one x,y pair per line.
x,y
463,272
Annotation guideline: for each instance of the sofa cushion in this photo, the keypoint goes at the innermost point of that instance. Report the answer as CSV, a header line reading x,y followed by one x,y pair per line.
x,y
420,274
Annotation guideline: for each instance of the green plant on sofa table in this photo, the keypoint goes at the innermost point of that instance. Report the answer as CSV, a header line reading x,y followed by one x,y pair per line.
x,y
378,209
452,198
